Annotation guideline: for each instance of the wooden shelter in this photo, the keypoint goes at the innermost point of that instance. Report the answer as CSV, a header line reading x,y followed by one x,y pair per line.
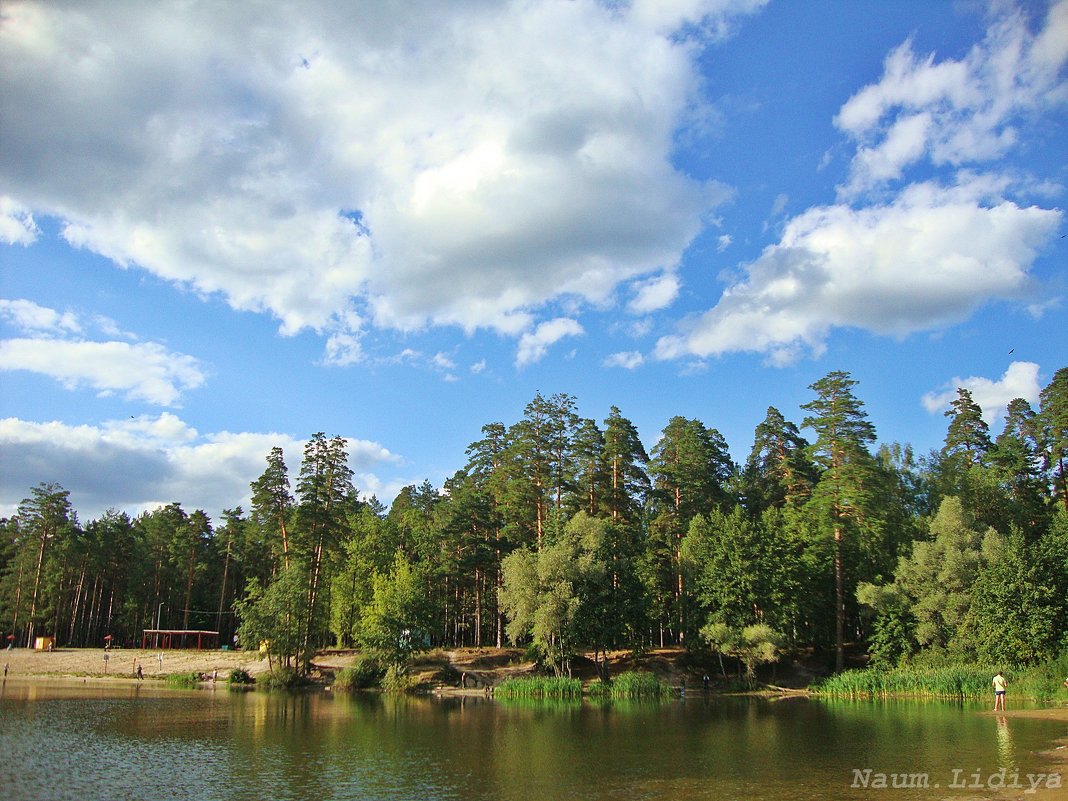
x,y
179,639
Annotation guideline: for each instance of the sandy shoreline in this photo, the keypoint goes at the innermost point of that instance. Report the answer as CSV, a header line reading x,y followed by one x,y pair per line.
x,y
122,663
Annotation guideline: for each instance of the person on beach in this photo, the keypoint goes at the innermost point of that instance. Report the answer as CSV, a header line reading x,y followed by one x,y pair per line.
x,y
140,674
999,692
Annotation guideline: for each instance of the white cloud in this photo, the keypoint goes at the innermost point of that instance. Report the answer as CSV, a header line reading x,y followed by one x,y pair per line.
x,y
654,293
535,344
342,349
934,251
629,360
956,112
723,243
30,317
443,361
17,226
928,259
145,371
141,464
431,163
1020,380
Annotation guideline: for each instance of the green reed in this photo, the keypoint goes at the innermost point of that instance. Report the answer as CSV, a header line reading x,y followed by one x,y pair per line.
x,y
631,684
539,687
1043,682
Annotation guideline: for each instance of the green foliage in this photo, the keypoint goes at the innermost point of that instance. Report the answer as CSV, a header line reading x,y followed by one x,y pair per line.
x,y
397,679
952,681
938,576
367,671
394,621
239,676
539,687
568,538
281,678
1040,682
546,592
274,618
631,684
182,679
892,638
1018,610
753,645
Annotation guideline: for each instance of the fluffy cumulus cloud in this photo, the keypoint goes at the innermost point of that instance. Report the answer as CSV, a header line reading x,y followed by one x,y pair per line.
x,y
1020,380
895,257
535,344
927,259
143,463
393,165
957,112
25,315
144,371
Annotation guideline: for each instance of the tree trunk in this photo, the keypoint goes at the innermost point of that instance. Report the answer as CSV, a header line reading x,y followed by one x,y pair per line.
x,y
839,602
226,571
36,586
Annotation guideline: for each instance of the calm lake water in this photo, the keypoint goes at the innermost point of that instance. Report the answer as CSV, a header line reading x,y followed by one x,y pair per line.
x,y
74,741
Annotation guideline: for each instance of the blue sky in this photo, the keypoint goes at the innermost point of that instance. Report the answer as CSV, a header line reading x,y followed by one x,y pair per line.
x,y
227,227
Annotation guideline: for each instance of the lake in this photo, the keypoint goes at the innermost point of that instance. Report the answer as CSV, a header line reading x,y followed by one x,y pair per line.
x,y
68,740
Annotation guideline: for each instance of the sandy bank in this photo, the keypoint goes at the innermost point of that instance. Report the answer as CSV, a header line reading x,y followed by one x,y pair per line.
x,y
123,662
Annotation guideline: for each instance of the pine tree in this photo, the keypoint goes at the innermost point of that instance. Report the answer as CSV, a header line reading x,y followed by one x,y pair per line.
x,y
843,433
272,503
777,472
1053,425
326,498
625,463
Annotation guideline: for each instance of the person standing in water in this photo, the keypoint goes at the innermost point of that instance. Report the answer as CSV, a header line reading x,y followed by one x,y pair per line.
x,y
999,692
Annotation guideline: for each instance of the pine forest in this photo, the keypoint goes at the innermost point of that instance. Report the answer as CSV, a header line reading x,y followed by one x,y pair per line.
x,y
565,535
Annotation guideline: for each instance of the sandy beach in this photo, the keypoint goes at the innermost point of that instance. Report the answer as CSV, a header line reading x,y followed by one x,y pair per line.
x,y
122,663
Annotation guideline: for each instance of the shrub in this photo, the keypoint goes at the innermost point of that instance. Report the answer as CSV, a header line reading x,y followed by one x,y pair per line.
x,y
239,676
282,678
367,671
397,679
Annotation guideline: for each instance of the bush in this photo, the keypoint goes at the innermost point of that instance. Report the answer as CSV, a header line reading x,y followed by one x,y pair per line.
x,y
282,678
239,676
398,679
367,671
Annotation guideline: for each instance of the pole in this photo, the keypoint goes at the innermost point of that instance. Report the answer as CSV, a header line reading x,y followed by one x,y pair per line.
x,y
159,617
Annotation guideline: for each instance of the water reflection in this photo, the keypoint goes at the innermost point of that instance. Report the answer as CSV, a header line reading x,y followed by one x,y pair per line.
x,y
147,743
1006,752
